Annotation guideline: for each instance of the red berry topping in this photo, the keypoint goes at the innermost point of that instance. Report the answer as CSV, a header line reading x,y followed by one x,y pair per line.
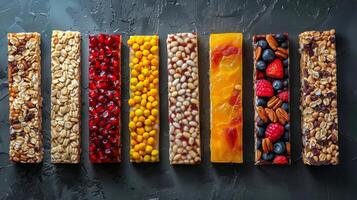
x,y
104,98
275,69
231,136
259,75
280,160
284,96
264,88
274,131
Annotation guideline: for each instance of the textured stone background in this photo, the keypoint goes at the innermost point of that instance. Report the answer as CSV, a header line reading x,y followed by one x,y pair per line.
x,y
162,181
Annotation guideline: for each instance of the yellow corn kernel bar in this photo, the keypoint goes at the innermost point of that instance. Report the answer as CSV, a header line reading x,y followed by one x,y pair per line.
x,y
226,97
65,97
144,98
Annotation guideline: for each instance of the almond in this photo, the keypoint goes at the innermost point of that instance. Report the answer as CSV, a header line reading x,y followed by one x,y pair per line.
x,y
284,51
271,41
258,155
258,53
271,115
267,145
262,114
288,147
281,55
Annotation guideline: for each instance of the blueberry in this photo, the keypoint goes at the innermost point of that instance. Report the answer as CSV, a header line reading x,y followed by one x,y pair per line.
x,y
260,122
279,147
268,156
261,102
277,85
259,144
284,45
280,37
286,136
287,126
261,65
285,83
263,44
286,62
286,72
268,55
285,106
261,131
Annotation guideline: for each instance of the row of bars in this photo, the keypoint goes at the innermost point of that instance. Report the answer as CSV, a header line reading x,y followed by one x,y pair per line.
x,y
24,73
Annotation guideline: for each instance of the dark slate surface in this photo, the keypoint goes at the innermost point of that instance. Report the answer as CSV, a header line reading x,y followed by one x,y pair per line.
x,y
205,181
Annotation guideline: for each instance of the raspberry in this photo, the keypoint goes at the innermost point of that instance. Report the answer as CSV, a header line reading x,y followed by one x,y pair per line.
x,y
280,160
274,131
284,96
264,88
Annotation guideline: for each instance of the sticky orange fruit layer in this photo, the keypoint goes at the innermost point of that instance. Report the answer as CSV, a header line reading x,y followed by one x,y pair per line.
x,y
226,97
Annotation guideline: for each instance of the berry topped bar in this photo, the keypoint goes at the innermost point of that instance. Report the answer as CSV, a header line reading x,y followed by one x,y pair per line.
x,y
183,97
144,122
104,98
271,99
319,98
226,97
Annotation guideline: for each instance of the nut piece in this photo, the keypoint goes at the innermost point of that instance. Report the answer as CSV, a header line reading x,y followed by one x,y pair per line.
x,y
25,101
271,114
262,114
183,97
319,97
282,115
267,145
65,97
271,41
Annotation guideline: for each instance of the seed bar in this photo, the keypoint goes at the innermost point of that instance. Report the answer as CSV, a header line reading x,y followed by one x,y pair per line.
x,y
226,83
319,98
144,98
104,98
271,99
24,75
65,97
183,98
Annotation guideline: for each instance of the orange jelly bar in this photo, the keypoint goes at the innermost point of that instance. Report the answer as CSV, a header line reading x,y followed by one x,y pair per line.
x,y
226,97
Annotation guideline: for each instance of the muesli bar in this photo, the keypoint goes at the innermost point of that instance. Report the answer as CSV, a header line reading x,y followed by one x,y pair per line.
x,y
65,97
183,98
25,100
144,98
319,98
104,98
226,90
271,99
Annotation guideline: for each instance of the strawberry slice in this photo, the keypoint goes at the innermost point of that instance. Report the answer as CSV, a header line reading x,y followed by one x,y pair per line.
x,y
275,69
231,136
280,160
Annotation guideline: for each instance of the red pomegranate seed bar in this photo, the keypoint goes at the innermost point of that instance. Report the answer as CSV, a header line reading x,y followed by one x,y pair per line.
x,y
24,75
183,97
271,100
104,98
